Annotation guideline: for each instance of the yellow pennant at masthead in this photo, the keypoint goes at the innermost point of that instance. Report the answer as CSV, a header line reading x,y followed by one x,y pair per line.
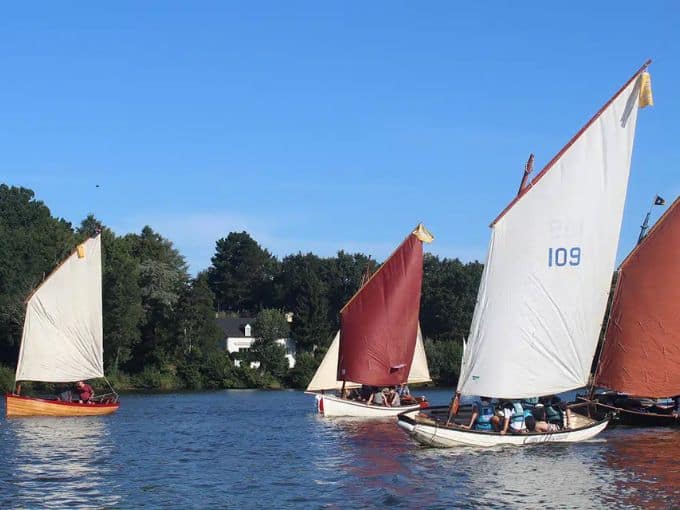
x,y
646,98
423,234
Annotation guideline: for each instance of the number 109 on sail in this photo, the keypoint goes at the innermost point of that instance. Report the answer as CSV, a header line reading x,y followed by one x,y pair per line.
x,y
562,256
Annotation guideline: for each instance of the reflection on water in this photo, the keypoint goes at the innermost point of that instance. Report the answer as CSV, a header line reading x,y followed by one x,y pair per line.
x,y
647,462
248,449
59,462
367,458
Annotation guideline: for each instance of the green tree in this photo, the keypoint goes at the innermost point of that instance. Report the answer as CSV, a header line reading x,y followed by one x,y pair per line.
x,y
301,289
270,325
448,297
303,371
343,276
163,279
242,274
310,320
197,317
443,359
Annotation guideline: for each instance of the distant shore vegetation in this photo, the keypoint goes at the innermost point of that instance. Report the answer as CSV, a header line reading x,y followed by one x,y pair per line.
x,y
160,331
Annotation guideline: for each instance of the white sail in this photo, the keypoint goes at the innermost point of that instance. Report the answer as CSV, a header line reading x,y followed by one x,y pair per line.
x,y
325,377
419,373
62,337
547,276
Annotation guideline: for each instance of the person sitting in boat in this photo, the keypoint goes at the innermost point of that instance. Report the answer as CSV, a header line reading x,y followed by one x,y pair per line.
x,y
405,396
366,392
483,416
354,394
403,390
65,394
513,418
393,398
554,413
536,422
379,398
85,392
534,425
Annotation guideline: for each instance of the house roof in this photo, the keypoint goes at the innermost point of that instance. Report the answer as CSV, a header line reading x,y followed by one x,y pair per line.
x,y
234,326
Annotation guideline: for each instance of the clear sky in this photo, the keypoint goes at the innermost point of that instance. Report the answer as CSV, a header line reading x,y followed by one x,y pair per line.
x,y
319,126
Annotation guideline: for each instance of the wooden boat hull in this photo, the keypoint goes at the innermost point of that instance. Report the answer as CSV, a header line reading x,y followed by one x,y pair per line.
x,y
20,406
331,406
433,433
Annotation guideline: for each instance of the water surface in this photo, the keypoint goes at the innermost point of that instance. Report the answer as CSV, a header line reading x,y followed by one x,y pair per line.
x,y
253,449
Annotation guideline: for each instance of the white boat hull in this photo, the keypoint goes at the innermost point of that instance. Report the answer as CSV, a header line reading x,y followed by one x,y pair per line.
x,y
331,406
432,433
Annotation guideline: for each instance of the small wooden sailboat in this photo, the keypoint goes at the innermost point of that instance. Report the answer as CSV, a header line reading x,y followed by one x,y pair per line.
x,y
379,342
546,280
62,340
641,350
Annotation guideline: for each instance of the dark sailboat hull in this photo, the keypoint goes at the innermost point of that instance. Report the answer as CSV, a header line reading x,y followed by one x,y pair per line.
x,y
630,417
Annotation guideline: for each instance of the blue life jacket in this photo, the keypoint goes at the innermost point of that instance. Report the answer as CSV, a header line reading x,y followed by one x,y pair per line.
x,y
485,413
518,415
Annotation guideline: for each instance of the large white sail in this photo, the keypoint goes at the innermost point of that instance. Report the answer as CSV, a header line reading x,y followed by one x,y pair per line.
x,y
547,276
325,376
62,337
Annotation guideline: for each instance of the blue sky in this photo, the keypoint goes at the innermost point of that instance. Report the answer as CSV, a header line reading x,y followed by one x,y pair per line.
x,y
319,126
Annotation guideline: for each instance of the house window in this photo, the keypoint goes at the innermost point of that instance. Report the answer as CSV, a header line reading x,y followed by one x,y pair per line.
x,y
246,329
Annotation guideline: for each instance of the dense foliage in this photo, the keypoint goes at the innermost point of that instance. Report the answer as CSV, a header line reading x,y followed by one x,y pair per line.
x,y
159,322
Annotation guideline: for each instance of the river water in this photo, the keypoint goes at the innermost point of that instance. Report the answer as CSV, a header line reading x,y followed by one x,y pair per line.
x,y
254,449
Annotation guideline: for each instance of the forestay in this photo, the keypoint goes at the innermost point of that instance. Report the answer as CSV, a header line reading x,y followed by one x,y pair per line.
x,y
62,337
548,271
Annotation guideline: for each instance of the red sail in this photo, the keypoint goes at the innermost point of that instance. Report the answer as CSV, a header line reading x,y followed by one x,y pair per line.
x,y
379,324
641,353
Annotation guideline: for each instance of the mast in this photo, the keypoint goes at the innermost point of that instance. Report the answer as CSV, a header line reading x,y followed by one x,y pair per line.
x,y
528,168
645,224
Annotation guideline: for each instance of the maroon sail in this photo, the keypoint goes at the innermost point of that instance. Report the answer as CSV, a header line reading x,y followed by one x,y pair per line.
x,y
641,352
379,324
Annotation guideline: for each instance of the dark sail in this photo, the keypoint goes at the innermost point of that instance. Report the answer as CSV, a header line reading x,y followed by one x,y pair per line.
x,y
641,352
380,323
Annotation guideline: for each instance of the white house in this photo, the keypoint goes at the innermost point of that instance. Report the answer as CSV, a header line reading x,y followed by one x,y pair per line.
x,y
238,337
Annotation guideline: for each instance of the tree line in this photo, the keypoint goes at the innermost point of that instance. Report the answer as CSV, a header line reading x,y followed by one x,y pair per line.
x,y
160,330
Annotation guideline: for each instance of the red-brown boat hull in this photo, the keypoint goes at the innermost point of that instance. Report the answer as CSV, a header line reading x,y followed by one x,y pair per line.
x,y
20,406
